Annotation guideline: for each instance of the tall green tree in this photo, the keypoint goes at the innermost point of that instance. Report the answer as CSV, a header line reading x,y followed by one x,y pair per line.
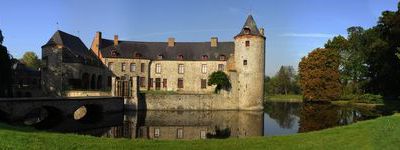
x,y
383,65
319,75
31,60
5,67
352,66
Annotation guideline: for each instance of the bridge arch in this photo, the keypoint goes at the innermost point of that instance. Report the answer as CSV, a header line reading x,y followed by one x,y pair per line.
x,y
44,117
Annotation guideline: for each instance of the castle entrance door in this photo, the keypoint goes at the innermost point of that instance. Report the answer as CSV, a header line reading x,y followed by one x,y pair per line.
x,y
124,87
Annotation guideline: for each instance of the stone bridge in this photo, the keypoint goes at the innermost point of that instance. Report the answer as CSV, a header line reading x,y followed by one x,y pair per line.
x,y
20,109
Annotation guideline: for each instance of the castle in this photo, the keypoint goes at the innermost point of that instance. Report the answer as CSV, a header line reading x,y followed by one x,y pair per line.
x,y
181,67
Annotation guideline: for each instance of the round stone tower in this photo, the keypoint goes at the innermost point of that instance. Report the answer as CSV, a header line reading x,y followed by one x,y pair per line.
x,y
250,65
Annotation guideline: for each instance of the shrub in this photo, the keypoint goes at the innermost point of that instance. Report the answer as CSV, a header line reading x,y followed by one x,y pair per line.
x,y
220,79
369,99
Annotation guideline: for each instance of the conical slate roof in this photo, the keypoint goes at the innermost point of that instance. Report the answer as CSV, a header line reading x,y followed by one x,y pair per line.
x,y
252,26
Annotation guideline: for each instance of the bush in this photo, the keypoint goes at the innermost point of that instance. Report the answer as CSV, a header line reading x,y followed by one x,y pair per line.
x,y
369,99
221,80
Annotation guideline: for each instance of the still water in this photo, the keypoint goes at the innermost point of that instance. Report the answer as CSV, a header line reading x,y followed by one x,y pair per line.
x,y
278,118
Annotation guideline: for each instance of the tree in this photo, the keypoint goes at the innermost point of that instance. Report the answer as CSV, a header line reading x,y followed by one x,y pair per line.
x,y
319,75
352,66
31,60
220,79
383,65
5,66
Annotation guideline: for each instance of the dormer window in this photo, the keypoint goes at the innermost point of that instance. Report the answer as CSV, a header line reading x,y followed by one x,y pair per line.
x,y
246,30
204,57
180,57
114,53
138,55
222,57
160,57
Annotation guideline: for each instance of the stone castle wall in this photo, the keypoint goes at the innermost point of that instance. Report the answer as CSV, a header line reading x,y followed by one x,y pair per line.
x,y
191,76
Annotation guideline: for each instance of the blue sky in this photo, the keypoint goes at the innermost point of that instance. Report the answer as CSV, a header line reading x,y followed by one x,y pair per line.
x,y
293,27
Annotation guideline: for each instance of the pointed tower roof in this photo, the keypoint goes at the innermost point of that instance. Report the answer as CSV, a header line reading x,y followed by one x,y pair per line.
x,y
250,28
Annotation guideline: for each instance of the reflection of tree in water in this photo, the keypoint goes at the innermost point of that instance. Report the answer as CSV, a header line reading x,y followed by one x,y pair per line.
x,y
317,116
283,113
321,116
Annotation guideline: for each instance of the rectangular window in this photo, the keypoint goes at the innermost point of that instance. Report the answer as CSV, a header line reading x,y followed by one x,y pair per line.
x,y
133,67
203,134
158,83
203,83
180,83
142,81
123,67
179,133
164,83
142,67
150,83
221,67
247,43
157,132
245,62
158,68
110,66
181,69
203,68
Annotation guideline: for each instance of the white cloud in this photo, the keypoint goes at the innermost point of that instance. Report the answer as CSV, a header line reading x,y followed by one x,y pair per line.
x,y
309,35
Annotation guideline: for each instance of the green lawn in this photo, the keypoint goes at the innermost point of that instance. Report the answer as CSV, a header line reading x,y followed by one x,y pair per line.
x,y
284,98
381,133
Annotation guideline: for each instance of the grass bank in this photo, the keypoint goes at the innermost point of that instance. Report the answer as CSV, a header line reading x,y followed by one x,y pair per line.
x,y
284,98
381,133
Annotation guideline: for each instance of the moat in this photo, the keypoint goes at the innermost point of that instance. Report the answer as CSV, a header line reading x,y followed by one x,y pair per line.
x,y
278,118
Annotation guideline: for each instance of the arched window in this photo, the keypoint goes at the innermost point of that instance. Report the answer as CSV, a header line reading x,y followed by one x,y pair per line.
x,y
204,57
222,57
180,57
85,81
93,82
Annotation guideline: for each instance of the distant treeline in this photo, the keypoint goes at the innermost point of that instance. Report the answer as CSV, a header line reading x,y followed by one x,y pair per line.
x,y
284,82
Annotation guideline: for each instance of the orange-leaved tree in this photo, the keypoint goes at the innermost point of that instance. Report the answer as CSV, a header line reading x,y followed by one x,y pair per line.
x,y
319,75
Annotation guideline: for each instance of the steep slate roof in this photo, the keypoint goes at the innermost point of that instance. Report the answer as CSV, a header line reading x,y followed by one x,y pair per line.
x,y
72,43
151,50
250,24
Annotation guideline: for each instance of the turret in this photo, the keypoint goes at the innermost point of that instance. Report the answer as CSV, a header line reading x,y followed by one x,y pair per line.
x,y
250,65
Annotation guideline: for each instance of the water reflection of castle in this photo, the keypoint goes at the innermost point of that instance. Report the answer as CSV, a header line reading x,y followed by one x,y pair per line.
x,y
188,125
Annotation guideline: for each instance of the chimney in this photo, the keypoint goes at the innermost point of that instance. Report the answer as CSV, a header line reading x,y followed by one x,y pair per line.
x,y
96,43
171,42
214,42
261,31
115,40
